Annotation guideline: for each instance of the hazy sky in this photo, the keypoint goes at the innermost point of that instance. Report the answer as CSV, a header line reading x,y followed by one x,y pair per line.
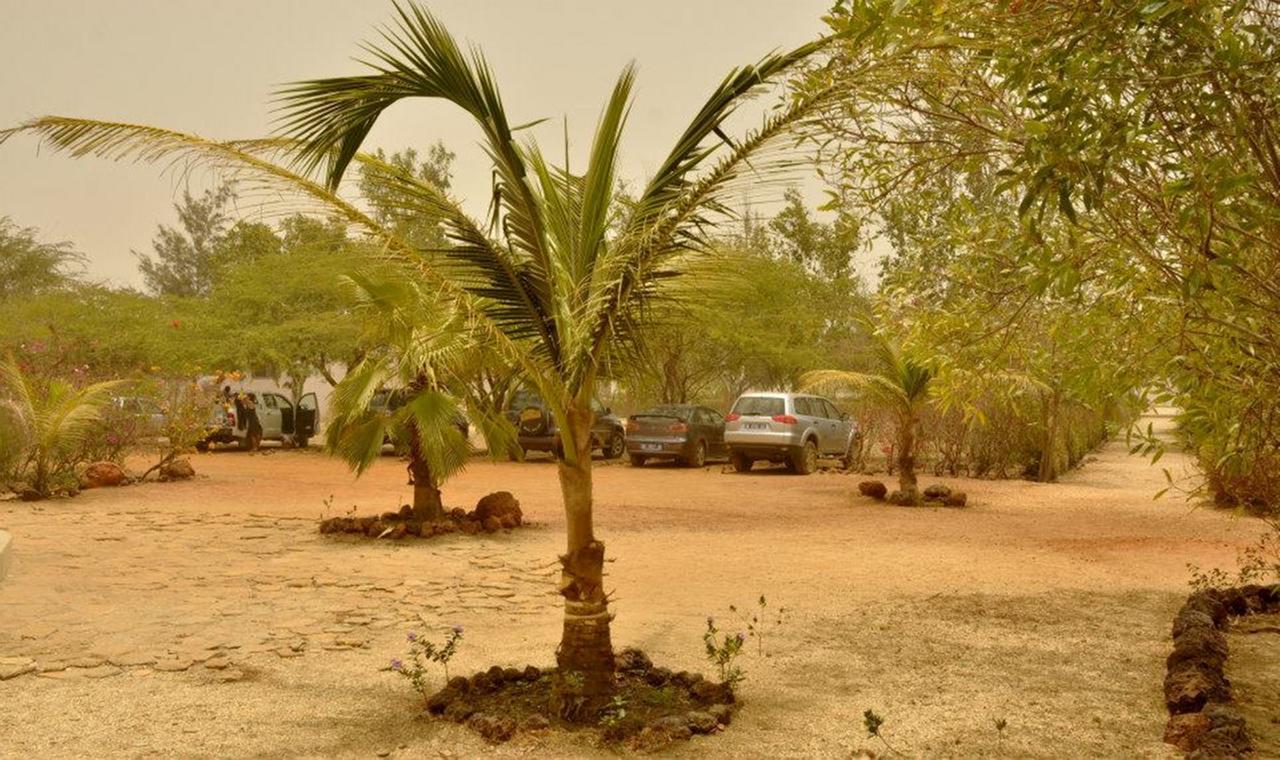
x,y
210,67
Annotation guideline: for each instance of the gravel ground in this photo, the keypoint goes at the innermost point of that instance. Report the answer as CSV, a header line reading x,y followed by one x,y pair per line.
x,y
209,618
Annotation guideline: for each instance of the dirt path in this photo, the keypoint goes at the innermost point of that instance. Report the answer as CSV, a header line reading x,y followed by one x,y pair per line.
x,y
209,619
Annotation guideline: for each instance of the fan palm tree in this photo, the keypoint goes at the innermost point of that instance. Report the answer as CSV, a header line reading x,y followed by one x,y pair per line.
x,y
897,383
43,426
557,281
427,352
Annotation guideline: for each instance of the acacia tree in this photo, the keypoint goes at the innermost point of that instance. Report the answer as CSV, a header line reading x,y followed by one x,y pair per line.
x,y
555,282
29,267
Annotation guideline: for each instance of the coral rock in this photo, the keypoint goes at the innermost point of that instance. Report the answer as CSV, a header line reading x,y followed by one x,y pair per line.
x,y
495,728
632,659
937,492
102,475
873,488
499,504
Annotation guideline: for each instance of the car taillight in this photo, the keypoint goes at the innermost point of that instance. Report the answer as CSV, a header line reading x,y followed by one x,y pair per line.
x,y
785,419
732,417
231,419
678,427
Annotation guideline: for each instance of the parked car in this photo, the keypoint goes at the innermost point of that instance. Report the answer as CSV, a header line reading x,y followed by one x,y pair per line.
x,y
537,430
388,401
149,417
687,433
791,428
279,420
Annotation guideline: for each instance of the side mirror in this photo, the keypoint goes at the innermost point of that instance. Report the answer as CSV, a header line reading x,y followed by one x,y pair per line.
x,y
844,416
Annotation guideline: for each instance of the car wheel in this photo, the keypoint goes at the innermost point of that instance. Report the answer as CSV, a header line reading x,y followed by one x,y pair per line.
x,y
699,458
615,446
741,462
805,461
202,446
637,460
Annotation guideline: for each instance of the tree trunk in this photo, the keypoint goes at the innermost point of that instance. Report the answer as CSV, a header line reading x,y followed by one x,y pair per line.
x,y
907,455
427,505
585,657
1048,453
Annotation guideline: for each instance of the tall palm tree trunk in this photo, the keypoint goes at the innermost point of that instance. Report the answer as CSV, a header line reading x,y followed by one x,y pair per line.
x,y
585,655
907,455
427,504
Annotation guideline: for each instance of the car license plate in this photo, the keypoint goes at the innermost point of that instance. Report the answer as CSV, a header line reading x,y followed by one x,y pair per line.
x,y
651,447
755,426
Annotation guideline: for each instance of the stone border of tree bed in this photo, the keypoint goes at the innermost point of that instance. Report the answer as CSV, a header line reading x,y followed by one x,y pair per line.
x,y
1202,720
494,512
6,553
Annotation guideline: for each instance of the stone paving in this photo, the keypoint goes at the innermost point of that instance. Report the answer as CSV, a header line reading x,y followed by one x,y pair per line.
x,y
207,593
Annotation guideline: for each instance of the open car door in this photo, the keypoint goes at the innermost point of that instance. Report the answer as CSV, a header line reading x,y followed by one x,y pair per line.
x,y
306,419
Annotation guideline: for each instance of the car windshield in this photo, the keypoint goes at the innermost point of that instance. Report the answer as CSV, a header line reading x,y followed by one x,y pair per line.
x,y
759,406
666,410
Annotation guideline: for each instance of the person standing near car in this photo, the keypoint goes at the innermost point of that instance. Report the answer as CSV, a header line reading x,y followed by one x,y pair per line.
x,y
247,417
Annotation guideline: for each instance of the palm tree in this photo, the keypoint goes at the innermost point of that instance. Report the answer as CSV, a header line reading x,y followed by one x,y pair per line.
x,y
429,355
897,383
557,281
43,426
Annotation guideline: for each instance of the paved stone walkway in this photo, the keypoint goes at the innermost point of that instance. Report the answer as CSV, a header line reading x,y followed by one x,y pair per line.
x,y
179,592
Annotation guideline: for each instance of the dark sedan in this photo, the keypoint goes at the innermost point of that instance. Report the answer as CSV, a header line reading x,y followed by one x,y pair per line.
x,y
687,433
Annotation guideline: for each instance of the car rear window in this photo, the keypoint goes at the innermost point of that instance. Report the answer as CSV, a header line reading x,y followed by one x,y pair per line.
x,y
759,406
676,412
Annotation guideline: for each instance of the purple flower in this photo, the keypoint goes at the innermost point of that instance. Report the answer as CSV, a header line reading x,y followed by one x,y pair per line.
x,y
412,637
741,637
396,664
457,629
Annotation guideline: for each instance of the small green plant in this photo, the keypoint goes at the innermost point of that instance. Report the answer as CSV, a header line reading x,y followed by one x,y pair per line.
x,y
760,621
615,712
874,723
422,652
722,650
1257,563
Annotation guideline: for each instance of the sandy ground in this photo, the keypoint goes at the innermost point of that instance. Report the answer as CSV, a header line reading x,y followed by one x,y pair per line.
x,y
1045,605
1254,670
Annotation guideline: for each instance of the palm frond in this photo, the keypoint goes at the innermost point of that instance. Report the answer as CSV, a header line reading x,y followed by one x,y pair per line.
x,y
276,184
872,384
416,58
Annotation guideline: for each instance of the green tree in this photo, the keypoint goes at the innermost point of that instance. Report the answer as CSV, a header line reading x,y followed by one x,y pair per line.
x,y
30,267
825,249
557,292
1143,131
184,262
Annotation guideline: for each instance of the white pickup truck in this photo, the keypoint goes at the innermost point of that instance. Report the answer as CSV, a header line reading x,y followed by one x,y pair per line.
x,y
278,418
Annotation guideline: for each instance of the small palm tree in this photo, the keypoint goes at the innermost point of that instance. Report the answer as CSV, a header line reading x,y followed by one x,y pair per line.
x,y
557,282
43,425
896,383
428,354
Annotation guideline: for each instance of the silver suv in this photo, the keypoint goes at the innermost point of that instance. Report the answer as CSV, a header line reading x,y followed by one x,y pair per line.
x,y
794,428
